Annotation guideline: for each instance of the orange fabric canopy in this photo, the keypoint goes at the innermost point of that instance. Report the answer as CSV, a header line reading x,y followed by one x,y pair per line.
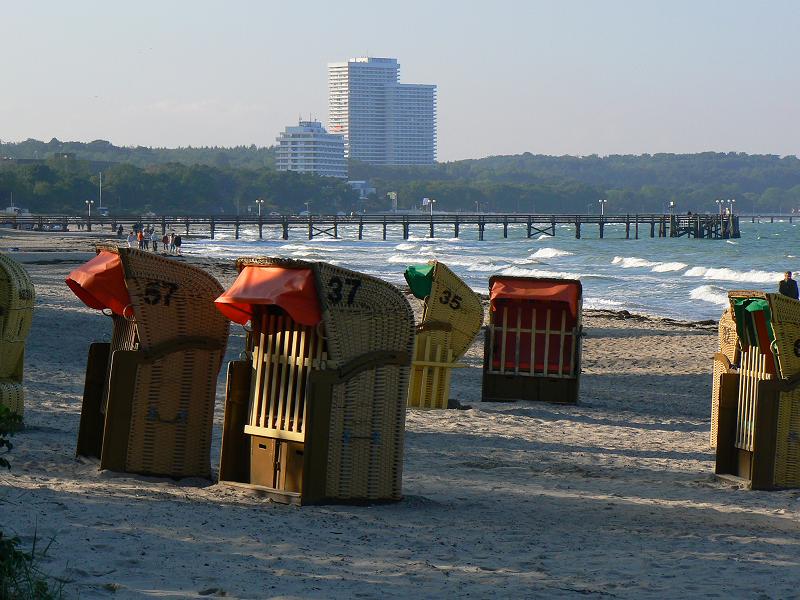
x,y
294,290
513,288
100,283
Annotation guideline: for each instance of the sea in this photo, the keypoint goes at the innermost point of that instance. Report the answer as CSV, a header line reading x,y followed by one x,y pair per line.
x,y
679,278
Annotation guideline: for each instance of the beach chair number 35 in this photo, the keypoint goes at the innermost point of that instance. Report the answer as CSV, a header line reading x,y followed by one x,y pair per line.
x,y
336,295
159,292
452,300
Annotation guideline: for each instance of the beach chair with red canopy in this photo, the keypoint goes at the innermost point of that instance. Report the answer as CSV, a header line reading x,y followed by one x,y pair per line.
x,y
758,417
533,340
316,413
148,400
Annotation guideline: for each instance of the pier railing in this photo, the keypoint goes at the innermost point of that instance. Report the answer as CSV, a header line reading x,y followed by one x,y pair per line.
x,y
706,226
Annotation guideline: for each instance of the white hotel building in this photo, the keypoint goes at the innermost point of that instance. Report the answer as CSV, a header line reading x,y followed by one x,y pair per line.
x,y
384,122
308,148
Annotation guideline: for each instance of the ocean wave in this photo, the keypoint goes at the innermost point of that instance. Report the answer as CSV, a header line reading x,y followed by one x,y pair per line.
x,y
520,272
405,247
550,253
602,303
668,267
710,293
726,274
628,262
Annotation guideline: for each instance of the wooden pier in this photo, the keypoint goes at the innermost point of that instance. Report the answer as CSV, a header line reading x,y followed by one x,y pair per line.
x,y
704,226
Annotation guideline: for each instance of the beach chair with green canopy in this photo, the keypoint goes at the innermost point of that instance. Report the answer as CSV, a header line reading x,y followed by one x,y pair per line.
x,y
758,418
451,318
17,297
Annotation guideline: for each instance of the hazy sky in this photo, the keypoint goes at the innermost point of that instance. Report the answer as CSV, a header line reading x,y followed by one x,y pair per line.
x,y
559,77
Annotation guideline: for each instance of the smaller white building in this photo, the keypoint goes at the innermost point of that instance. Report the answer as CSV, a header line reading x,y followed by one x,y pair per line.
x,y
308,148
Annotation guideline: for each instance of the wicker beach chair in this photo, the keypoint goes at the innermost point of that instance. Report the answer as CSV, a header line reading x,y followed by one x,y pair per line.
x,y
726,358
316,414
149,394
17,297
533,340
451,318
758,417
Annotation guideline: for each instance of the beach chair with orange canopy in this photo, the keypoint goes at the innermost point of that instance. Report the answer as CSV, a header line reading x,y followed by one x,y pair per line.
x,y
17,297
758,417
316,413
533,339
148,401
451,318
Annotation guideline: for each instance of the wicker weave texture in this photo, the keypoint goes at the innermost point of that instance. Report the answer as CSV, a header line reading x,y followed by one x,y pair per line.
x,y
787,451
786,324
451,318
729,346
17,297
12,395
173,403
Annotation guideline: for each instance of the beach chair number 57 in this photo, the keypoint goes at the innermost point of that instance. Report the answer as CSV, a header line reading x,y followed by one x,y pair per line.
x,y
159,292
452,300
335,296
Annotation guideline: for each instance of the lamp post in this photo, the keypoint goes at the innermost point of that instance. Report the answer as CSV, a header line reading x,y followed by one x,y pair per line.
x,y
308,207
731,202
477,206
671,207
602,202
89,208
431,202
719,205
259,203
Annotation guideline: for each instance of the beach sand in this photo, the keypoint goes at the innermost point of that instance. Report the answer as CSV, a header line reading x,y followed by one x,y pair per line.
x,y
614,497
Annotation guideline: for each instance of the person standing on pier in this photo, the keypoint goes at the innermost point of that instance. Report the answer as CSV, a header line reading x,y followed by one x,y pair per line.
x,y
154,238
788,286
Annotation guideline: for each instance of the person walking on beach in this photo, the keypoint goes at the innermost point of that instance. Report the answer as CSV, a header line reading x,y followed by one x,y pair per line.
x,y
146,239
178,242
140,237
131,239
788,286
165,243
154,237
119,231
172,242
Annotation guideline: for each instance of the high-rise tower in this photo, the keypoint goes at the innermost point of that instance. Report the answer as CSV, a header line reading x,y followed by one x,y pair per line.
x,y
383,121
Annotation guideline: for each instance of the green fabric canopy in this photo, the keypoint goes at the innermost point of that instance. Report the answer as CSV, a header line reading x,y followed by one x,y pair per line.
x,y
420,280
744,310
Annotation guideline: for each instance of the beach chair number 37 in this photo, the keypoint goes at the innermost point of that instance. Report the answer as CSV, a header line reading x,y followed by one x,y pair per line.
x,y
450,299
159,292
336,295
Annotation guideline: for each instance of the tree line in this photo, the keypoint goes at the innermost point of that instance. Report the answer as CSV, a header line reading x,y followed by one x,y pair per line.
x,y
62,175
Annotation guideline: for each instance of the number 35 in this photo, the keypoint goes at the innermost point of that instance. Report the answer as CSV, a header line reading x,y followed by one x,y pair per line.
x,y
453,301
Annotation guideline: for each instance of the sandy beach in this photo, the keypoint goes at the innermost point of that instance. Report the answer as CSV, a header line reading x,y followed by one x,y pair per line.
x,y
614,497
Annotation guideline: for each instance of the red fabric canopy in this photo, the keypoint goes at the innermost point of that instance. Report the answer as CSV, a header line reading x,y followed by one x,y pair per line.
x,y
513,288
100,283
294,290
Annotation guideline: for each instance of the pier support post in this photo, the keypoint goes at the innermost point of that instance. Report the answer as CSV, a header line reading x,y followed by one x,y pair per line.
x,y
431,234
637,227
164,226
577,228
735,223
627,227
384,228
88,224
236,228
310,228
285,229
335,228
530,227
601,229
653,228
210,225
455,227
260,228
361,228
187,226
405,228
505,227
481,228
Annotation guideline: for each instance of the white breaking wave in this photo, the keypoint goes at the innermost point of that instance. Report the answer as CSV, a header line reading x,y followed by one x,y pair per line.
x,y
710,293
550,253
602,303
405,247
725,274
668,267
627,262
520,272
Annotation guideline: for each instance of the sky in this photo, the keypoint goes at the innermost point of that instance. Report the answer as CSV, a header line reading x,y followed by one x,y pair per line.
x,y
559,77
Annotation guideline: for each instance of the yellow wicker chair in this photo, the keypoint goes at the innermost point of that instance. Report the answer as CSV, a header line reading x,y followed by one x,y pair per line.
x,y
148,401
726,358
452,317
758,418
17,297
316,414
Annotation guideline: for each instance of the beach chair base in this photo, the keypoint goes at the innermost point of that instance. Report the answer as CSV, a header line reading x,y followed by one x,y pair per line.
x,y
90,430
511,387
